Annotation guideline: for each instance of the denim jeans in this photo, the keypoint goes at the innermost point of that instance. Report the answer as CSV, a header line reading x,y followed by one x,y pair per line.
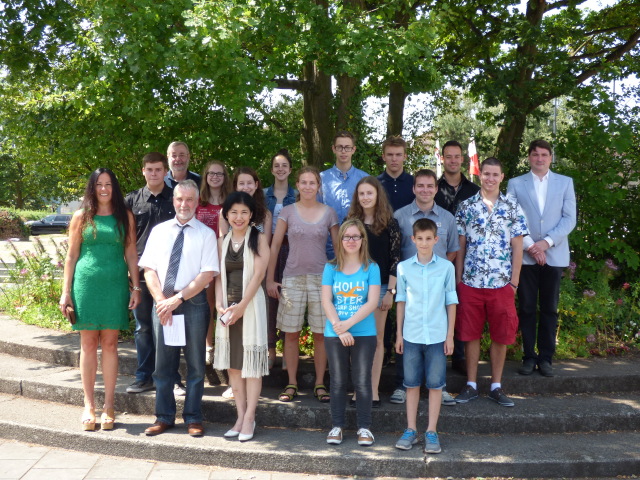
x,y
360,357
145,346
196,322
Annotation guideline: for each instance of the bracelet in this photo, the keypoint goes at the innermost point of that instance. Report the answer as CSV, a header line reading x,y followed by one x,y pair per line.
x,y
136,289
514,286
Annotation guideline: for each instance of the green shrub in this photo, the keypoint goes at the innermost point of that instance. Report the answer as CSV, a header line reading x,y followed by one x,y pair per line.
x,y
27,215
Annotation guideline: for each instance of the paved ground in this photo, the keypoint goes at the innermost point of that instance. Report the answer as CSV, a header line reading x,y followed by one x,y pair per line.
x,y
30,462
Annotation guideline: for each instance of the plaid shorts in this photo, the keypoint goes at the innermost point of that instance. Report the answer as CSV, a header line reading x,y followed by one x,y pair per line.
x,y
297,293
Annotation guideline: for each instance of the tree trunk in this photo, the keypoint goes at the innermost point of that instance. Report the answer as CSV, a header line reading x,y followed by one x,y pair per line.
x,y
395,117
317,133
509,140
348,106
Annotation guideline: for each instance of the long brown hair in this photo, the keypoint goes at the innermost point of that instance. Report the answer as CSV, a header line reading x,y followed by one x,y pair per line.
x,y
382,211
261,203
205,189
90,204
365,258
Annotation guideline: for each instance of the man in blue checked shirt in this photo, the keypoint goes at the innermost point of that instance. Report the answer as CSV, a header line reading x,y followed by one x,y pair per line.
x,y
339,182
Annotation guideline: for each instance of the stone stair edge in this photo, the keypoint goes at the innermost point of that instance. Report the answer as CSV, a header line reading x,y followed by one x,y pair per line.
x,y
577,376
532,414
517,456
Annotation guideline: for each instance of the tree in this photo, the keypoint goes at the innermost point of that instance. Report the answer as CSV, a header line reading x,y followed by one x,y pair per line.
x,y
520,60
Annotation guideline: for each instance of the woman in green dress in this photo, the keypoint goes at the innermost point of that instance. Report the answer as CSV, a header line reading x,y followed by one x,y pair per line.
x,y
102,248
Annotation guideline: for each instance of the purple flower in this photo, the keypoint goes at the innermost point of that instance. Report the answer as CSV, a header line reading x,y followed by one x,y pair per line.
x,y
626,286
44,277
60,265
591,338
610,265
619,301
589,293
24,271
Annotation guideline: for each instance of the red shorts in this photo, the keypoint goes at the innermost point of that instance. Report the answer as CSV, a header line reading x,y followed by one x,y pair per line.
x,y
493,305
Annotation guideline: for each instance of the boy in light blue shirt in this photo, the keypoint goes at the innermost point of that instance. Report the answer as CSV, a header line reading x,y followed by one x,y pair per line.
x,y
426,311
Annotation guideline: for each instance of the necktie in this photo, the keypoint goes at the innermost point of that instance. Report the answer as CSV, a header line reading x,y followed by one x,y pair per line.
x,y
174,264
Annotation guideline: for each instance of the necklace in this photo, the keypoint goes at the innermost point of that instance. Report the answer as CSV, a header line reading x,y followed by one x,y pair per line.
x,y
236,245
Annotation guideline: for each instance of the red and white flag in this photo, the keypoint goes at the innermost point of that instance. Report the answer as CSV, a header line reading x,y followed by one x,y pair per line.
x,y
474,165
438,159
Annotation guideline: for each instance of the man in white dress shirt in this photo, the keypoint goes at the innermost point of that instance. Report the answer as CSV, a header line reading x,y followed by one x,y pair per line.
x,y
180,260
549,204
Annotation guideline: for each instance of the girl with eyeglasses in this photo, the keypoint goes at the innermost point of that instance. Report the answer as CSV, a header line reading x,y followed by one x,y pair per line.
x,y
307,223
350,294
371,206
213,191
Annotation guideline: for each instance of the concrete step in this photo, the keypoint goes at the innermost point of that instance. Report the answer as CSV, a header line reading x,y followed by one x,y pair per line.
x,y
593,455
601,375
534,414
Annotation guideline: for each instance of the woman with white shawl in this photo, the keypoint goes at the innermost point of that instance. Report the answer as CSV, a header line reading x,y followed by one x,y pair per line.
x,y
241,333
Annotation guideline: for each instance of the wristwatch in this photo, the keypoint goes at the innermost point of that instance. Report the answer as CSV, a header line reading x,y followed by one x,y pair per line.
x,y
392,291
179,295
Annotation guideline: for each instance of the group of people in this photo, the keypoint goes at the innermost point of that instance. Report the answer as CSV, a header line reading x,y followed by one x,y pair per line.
x,y
336,252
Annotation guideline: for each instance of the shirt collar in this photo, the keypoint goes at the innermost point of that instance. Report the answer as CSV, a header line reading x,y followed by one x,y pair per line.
x,y
535,177
414,259
166,192
415,209
344,176
191,222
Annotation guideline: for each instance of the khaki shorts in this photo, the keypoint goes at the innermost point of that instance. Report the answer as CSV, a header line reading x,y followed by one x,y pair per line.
x,y
297,293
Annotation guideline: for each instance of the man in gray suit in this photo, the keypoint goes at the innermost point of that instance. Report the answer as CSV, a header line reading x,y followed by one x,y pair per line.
x,y
549,204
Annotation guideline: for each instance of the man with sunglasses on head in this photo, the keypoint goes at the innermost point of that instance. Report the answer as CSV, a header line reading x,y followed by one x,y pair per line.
x,y
339,182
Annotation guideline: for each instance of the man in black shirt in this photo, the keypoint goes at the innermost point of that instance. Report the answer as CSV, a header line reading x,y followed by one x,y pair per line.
x,y
453,186
151,205
453,189
397,183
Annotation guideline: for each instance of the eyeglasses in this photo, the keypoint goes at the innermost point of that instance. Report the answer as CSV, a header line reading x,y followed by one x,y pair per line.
x,y
349,238
181,156
343,148
215,174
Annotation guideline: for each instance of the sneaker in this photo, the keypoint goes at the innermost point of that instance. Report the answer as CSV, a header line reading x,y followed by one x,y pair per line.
x,y
335,436
208,360
365,437
497,395
140,386
399,396
447,399
431,443
408,439
179,389
468,393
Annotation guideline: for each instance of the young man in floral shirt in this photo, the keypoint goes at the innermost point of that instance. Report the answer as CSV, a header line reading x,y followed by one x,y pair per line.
x,y
491,227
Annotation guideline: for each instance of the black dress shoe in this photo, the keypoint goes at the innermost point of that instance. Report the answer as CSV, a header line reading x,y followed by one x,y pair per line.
x,y
545,368
375,403
528,367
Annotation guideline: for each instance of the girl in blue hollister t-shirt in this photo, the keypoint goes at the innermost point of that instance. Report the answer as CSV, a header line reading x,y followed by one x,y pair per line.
x,y
350,294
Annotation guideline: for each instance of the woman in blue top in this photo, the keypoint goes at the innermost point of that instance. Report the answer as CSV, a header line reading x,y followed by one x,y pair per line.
x,y
350,294
278,196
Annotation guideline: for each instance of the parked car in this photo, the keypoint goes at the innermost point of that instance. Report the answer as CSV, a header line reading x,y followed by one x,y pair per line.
x,y
50,224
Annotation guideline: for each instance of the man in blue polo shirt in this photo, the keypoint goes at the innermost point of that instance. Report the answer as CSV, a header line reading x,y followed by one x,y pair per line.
x,y
339,182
